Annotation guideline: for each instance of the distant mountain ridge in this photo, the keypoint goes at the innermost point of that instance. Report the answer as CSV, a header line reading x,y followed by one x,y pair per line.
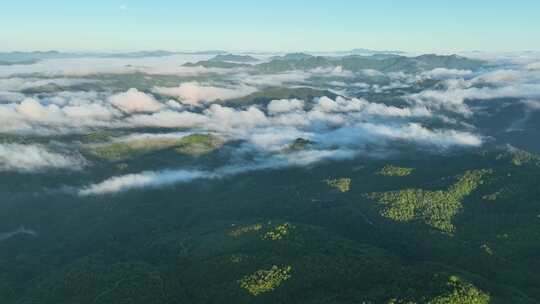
x,y
235,58
391,63
378,62
11,58
293,56
216,64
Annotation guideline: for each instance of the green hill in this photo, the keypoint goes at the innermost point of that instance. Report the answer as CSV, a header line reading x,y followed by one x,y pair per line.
x,y
235,58
382,63
267,95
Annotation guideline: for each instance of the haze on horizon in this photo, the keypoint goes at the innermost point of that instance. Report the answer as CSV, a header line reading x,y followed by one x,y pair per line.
x,y
285,26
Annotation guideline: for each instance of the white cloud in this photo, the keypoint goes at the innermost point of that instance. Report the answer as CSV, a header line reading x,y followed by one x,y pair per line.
x,y
372,73
285,105
274,80
78,67
499,76
442,73
228,119
34,110
326,104
534,66
16,84
11,97
417,133
532,104
142,180
343,143
194,93
134,101
169,119
344,105
173,104
275,138
89,111
156,179
338,71
64,113
490,85
29,158
304,158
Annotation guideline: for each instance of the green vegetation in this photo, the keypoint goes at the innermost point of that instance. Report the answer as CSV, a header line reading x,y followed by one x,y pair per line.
x,y
435,208
382,63
178,244
21,62
341,184
520,158
299,144
236,258
119,151
194,145
199,144
246,229
98,136
234,58
487,249
293,56
122,167
418,227
456,291
267,95
263,281
116,283
501,194
278,232
273,232
461,292
390,170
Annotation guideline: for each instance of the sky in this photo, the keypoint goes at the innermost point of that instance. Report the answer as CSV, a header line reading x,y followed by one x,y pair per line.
x,y
277,25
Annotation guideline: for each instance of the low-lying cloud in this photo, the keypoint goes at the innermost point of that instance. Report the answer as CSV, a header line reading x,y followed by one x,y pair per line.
x,y
499,84
442,73
271,143
21,231
534,66
142,180
134,101
56,115
193,93
30,158
17,84
374,111
80,67
157,179
285,105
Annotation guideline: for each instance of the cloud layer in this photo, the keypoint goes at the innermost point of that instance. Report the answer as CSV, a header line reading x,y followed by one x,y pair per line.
x,y
29,158
142,180
363,113
134,101
193,93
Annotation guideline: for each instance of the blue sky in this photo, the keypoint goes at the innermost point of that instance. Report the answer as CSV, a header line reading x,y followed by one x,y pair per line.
x,y
277,25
